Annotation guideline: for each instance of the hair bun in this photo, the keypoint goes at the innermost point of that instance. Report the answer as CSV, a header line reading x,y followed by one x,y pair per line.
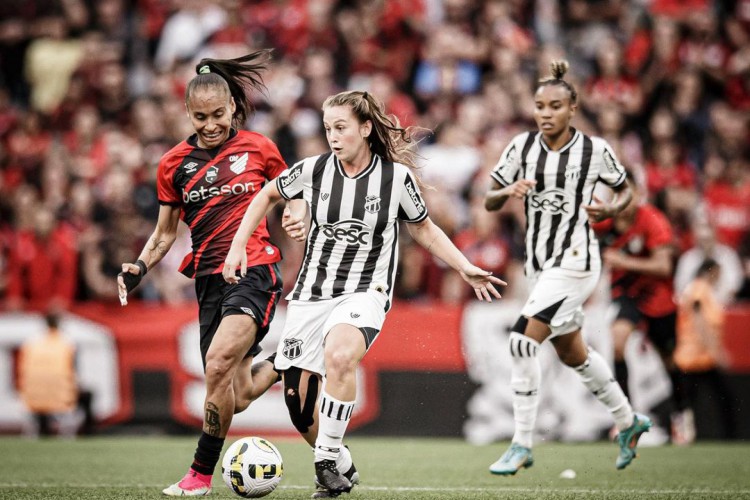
x,y
558,69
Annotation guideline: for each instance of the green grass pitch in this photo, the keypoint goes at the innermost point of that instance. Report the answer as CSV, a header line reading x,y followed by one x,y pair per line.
x,y
390,468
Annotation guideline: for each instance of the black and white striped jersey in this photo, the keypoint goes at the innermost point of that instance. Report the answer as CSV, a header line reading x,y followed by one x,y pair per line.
x,y
352,245
558,233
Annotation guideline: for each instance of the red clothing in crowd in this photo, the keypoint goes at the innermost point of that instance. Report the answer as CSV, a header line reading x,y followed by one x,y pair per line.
x,y
728,210
659,178
42,273
654,296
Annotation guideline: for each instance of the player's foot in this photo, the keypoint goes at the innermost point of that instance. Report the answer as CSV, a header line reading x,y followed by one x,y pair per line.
x,y
322,492
513,459
628,440
192,485
328,479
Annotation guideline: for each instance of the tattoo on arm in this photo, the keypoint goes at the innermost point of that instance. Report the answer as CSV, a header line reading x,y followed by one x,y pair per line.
x,y
157,250
212,425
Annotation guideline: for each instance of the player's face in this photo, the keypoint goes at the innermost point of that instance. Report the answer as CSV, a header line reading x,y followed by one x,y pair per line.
x,y
211,109
346,136
553,110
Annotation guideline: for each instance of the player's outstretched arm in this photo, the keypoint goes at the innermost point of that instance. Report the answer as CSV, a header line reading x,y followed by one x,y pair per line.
x,y
258,208
431,237
156,248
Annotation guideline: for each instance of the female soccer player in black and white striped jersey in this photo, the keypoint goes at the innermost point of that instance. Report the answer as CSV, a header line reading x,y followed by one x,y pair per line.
x,y
554,170
357,193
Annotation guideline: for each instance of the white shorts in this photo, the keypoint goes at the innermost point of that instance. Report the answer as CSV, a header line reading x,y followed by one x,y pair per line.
x,y
308,323
557,297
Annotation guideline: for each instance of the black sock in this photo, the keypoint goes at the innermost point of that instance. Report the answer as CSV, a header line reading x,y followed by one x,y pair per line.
x,y
621,374
207,454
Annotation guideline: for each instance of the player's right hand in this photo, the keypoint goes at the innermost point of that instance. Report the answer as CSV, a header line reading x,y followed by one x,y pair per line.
x,y
521,188
235,258
128,279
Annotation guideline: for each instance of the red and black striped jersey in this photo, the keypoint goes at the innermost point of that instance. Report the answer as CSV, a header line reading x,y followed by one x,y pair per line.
x,y
213,188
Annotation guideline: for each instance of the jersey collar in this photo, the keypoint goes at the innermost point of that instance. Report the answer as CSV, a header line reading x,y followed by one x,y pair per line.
x,y
364,173
567,145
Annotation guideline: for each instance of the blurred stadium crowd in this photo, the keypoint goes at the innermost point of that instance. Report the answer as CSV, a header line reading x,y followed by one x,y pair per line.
x,y
91,96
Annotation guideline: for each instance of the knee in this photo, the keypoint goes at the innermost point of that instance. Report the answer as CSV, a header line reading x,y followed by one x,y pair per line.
x,y
218,369
339,362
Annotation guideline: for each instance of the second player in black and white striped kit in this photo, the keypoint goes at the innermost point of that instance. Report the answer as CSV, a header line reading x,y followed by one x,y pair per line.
x,y
357,195
558,233
554,170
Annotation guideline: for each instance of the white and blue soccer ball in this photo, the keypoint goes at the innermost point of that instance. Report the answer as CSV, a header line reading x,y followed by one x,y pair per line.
x,y
252,467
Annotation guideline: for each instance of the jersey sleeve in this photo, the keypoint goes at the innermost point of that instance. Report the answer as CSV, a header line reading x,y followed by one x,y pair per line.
x,y
509,164
411,205
290,183
612,173
274,163
165,189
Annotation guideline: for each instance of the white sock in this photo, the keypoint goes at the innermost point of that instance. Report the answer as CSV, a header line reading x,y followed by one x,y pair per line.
x,y
344,461
334,417
597,377
526,375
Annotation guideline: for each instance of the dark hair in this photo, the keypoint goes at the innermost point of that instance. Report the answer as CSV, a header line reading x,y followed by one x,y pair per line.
x,y
558,70
233,75
388,138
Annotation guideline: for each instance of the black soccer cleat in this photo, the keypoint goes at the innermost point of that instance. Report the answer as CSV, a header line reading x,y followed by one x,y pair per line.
x,y
329,480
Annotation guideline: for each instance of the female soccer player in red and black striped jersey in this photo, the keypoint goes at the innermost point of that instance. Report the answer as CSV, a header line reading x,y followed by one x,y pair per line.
x,y
208,181
554,170
357,193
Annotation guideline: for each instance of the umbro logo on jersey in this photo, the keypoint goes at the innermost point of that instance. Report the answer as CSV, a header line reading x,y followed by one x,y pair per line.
x,y
324,196
212,174
239,163
292,348
190,167
372,204
354,315
248,311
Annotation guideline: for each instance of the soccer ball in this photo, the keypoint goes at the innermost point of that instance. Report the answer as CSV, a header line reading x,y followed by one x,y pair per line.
x,y
252,467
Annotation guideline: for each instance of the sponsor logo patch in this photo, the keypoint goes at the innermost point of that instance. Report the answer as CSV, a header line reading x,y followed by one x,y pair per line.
x,y
295,172
414,195
324,196
553,201
350,231
190,167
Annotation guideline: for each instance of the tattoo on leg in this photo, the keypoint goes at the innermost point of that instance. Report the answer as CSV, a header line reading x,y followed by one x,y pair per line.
x,y
213,421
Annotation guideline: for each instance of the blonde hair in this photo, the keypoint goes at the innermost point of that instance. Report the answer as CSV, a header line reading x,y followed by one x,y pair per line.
x,y
558,69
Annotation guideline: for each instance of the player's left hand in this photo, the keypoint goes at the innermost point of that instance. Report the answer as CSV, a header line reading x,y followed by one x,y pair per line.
x,y
236,258
482,282
294,226
598,210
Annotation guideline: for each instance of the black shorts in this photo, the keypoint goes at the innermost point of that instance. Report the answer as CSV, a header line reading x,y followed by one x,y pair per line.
x,y
661,330
256,295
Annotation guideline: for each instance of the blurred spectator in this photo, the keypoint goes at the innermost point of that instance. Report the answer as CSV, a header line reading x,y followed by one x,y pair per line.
x,y
728,202
729,274
47,380
699,353
42,266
